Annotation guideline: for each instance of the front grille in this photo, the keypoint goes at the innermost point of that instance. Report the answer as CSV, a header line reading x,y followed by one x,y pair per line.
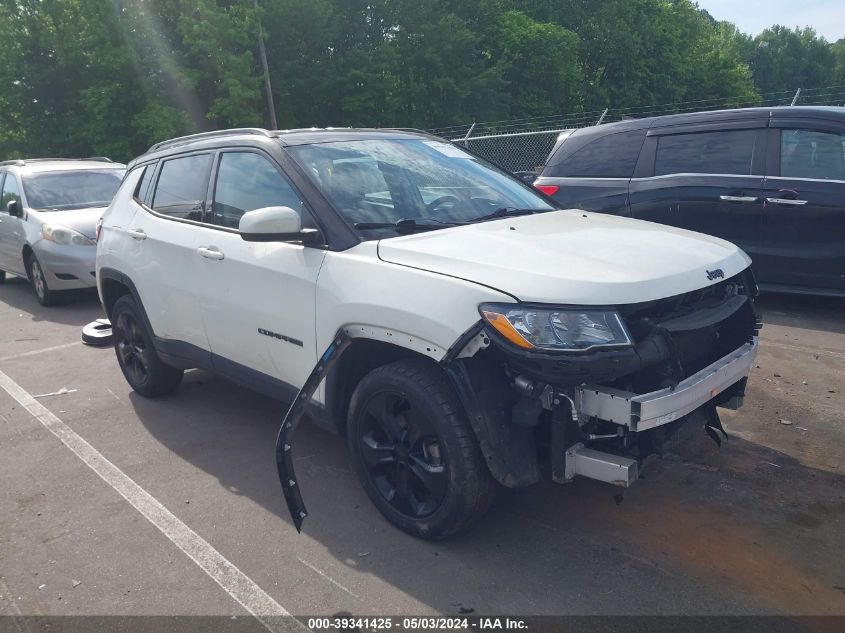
x,y
697,328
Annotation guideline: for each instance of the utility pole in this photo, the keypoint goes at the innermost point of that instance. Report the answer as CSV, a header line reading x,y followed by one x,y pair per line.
x,y
262,54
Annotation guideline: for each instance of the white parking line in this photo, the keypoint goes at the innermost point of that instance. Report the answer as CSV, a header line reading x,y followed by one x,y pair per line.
x,y
43,350
237,584
326,576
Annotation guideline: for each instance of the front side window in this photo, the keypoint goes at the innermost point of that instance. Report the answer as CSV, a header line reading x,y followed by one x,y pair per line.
x,y
611,156
65,190
812,154
245,182
726,152
415,180
181,188
10,192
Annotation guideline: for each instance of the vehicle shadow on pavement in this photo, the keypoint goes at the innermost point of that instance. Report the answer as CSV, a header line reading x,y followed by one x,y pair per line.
x,y
733,530
823,314
76,307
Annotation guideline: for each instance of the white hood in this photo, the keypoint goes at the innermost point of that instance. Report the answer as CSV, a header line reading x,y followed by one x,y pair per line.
x,y
571,257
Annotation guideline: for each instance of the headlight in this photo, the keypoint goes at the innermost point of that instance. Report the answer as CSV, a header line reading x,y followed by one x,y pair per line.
x,y
64,235
556,328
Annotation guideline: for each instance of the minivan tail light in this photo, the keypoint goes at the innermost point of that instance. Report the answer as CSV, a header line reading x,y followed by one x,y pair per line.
x,y
549,190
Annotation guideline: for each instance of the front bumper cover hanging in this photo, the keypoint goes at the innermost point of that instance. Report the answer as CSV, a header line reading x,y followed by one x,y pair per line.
x,y
297,410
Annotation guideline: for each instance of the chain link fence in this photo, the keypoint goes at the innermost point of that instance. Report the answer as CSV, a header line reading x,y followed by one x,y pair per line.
x,y
518,152
523,145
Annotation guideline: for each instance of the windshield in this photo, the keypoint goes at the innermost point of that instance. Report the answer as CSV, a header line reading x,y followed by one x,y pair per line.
x,y
420,181
78,189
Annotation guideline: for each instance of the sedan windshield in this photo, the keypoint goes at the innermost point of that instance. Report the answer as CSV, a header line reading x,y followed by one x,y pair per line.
x,y
78,189
412,184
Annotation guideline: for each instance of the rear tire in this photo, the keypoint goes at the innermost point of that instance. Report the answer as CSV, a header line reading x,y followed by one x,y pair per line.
x,y
145,372
45,296
414,451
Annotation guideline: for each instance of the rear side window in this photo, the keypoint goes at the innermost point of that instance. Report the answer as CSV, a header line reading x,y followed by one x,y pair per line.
x,y
727,152
248,181
182,185
611,156
811,154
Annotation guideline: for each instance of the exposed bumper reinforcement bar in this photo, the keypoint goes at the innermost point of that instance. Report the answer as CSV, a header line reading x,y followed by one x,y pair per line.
x,y
649,410
612,469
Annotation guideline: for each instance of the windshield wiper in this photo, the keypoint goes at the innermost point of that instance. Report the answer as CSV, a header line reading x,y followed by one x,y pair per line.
x,y
507,212
405,225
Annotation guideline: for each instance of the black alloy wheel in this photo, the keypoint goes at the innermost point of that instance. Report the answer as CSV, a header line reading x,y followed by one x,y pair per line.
x,y
402,455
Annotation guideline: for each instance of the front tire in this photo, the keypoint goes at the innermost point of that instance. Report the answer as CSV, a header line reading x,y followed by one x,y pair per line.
x,y
45,296
414,451
145,372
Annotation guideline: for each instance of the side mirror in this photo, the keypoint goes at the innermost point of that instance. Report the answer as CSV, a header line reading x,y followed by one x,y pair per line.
x,y
14,209
275,224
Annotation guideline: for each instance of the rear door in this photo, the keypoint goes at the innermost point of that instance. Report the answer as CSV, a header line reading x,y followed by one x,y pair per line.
x,y
163,250
703,178
592,171
803,233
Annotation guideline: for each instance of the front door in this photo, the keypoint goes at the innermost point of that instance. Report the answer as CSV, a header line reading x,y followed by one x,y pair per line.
x,y
705,181
803,234
11,229
257,298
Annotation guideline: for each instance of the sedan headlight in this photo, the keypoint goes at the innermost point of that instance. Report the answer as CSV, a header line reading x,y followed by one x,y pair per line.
x,y
562,329
64,235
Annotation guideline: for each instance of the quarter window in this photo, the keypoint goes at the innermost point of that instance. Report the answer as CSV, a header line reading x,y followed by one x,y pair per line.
x,y
611,156
144,193
182,186
812,154
727,152
248,181
10,191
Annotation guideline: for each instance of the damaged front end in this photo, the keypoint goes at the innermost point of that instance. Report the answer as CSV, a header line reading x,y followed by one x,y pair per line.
x,y
598,412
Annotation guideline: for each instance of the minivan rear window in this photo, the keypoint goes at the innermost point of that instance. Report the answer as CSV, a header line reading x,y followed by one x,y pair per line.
x,y
610,156
723,152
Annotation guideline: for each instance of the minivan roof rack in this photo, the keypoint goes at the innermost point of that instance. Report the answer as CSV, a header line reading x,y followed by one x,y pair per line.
x,y
20,162
212,134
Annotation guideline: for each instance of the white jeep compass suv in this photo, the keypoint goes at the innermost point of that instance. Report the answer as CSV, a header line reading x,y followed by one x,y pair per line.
x,y
494,338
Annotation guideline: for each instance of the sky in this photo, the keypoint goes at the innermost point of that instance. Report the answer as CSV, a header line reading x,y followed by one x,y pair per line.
x,y
827,17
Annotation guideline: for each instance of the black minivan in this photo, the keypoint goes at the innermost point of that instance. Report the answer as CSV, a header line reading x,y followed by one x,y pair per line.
x,y
771,180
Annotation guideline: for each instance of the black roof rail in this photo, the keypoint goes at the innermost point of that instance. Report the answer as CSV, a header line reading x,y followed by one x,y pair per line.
x,y
214,133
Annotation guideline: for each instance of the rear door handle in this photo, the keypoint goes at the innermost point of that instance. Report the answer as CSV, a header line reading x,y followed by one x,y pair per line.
x,y
789,201
210,253
739,198
137,234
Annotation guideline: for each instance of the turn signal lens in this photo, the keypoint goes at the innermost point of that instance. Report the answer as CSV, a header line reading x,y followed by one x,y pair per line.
x,y
504,327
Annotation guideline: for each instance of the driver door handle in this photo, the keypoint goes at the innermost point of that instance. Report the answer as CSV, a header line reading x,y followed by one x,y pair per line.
x,y
739,198
789,201
137,234
210,253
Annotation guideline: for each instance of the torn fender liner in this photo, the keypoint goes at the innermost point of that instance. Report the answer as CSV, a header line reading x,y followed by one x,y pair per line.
x,y
284,459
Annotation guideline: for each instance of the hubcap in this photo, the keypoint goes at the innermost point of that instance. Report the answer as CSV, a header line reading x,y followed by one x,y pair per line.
x,y
38,278
131,348
402,455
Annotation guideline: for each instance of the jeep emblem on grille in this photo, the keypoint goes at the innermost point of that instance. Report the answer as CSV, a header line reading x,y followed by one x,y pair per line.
x,y
715,274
